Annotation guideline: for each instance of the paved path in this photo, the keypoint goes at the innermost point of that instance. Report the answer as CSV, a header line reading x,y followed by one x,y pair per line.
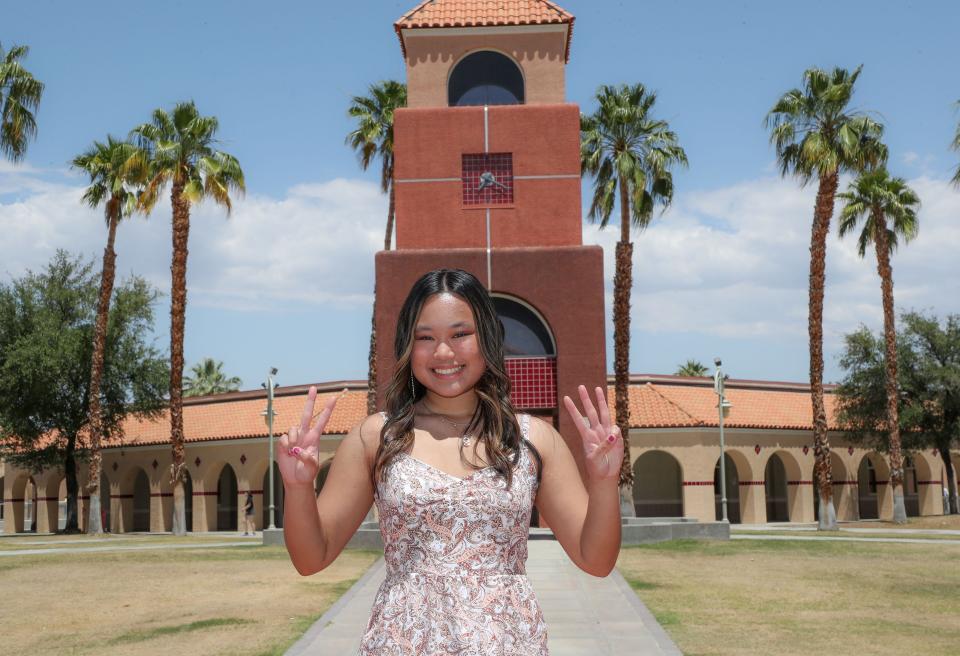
x,y
586,616
832,538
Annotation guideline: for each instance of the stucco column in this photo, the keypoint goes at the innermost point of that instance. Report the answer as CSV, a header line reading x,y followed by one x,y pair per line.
x,y
698,497
845,494
753,502
800,501
205,511
12,514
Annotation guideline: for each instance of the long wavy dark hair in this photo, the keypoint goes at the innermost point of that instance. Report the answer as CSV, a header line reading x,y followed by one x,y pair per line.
x,y
495,421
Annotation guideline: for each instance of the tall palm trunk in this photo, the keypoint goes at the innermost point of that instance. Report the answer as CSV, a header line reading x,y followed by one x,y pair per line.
x,y
387,239
818,260
622,281
178,306
70,470
885,270
953,506
107,276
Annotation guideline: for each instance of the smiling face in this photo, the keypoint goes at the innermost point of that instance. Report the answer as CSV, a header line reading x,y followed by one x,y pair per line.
x,y
446,356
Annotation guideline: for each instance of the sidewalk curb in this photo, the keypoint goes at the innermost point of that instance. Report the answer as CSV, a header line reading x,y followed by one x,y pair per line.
x,y
308,639
664,641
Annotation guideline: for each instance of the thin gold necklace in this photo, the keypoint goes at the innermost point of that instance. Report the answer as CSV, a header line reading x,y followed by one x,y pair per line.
x,y
464,437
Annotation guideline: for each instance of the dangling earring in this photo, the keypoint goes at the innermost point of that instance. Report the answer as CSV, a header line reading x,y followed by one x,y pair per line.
x,y
413,389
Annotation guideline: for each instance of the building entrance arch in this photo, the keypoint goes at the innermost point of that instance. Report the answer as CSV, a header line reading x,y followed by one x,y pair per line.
x,y
104,502
872,485
227,502
141,502
775,487
733,490
658,485
277,497
911,491
187,500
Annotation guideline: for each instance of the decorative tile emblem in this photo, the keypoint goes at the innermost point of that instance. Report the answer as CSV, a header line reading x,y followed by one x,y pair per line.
x,y
197,461
533,382
806,449
487,179
243,459
155,464
756,449
115,466
850,450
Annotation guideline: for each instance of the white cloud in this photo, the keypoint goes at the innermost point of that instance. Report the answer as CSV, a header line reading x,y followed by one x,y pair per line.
x,y
734,262
316,245
724,265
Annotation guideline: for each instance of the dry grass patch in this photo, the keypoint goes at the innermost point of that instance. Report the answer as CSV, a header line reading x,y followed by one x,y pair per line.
x,y
780,597
941,522
244,601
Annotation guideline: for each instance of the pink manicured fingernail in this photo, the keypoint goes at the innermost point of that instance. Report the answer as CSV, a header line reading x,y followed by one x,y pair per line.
x,y
611,438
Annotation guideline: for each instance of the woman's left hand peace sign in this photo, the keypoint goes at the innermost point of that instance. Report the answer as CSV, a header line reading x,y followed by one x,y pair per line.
x,y
602,442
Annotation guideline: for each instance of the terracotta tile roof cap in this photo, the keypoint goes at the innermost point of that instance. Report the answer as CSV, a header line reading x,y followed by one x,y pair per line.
x,y
483,13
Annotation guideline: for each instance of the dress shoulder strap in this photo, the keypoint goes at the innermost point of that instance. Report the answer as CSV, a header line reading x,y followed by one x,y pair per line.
x,y
524,421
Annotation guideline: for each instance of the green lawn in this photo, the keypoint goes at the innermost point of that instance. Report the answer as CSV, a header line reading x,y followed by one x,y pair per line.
x,y
801,597
247,601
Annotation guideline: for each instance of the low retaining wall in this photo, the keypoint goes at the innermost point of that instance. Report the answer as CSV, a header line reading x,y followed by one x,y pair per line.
x,y
642,530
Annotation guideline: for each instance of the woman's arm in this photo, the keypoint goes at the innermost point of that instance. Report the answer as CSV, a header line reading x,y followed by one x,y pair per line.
x,y
316,528
584,518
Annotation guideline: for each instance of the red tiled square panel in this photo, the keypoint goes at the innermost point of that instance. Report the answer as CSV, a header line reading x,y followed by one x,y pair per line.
x,y
533,382
487,179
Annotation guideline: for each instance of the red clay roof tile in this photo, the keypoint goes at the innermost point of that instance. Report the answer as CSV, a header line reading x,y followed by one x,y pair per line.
x,y
483,13
652,405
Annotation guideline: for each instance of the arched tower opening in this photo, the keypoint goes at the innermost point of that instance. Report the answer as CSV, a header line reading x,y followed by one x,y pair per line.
x,y
485,77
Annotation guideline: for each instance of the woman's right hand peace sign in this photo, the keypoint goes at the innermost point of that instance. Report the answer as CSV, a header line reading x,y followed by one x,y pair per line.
x,y
298,455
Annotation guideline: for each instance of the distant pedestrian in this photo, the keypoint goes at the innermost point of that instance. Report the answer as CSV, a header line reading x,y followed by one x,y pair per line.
x,y
248,526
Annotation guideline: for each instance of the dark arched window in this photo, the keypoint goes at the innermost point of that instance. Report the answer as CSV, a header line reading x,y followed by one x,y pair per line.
x,y
525,334
485,78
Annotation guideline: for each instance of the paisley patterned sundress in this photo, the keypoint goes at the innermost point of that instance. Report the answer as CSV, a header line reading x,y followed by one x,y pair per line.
x,y
455,551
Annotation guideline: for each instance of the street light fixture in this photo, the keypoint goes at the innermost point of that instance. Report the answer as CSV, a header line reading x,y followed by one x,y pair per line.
x,y
270,385
723,408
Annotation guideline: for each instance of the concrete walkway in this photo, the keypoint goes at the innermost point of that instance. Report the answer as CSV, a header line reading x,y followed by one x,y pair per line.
x,y
585,616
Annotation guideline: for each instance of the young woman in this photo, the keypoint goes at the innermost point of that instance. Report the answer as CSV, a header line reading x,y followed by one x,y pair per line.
x,y
454,472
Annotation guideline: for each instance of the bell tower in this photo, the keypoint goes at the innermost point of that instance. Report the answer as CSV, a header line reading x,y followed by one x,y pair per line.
x,y
487,179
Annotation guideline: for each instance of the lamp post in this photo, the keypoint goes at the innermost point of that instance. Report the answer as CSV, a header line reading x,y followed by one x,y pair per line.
x,y
270,384
723,407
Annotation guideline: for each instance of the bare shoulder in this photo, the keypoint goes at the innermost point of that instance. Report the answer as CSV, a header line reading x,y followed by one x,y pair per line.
x,y
366,435
544,437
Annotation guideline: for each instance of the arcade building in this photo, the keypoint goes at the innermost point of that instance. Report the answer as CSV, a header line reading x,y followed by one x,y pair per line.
x,y
487,179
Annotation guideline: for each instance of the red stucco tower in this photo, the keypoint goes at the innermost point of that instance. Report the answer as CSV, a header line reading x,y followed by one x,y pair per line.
x,y
487,179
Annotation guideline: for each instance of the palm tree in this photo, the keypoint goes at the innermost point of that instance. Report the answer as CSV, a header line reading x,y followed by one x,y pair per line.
x,y
182,152
956,146
816,136
208,378
693,368
372,138
20,96
874,197
628,151
115,169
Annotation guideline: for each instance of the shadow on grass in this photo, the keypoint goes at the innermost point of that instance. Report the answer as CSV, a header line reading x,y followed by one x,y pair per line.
x,y
149,634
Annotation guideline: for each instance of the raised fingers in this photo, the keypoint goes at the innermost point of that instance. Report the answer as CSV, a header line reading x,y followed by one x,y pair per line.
x,y
308,410
588,407
602,406
575,415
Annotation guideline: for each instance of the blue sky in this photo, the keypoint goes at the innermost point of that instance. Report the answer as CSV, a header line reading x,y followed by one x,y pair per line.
x,y
721,273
